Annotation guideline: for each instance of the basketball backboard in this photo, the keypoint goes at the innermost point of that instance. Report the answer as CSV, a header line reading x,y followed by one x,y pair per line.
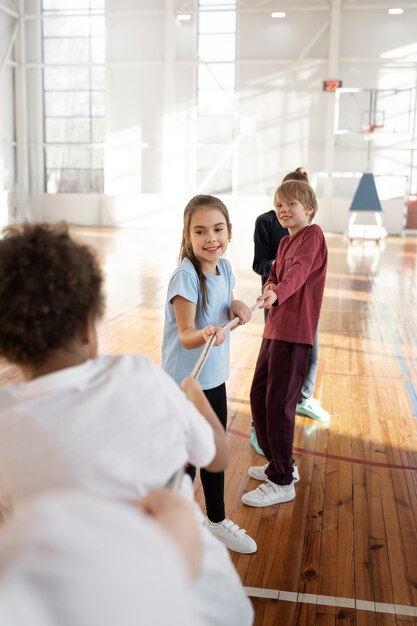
x,y
373,110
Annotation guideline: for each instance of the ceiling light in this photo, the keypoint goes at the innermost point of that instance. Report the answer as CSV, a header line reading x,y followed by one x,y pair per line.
x,y
278,14
397,11
183,17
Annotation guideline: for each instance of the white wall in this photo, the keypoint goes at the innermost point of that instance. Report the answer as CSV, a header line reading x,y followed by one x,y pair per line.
x,y
280,87
7,136
150,98
165,211
281,65
151,66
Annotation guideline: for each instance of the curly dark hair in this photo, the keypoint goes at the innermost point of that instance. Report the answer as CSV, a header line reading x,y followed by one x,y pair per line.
x,y
49,284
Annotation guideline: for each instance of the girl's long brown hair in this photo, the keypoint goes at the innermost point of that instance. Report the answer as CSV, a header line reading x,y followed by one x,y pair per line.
x,y
186,251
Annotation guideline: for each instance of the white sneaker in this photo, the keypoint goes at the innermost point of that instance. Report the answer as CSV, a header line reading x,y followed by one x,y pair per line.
x,y
314,401
232,536
295,473
258,472
310,408
268,494
254,441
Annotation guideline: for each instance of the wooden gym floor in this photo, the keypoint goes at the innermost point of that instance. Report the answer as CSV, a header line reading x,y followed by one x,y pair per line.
x,y
345,550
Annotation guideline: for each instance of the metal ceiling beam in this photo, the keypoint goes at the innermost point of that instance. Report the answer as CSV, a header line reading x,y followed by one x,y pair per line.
x,y
9,48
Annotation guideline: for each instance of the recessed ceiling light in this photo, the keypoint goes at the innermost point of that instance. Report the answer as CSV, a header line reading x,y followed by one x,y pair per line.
x,y
397,11
278,14
183,17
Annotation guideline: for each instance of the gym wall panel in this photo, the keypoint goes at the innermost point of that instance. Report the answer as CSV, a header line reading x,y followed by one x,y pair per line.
x,y
286,106
7,118
135,5
261,37
132,38
377,34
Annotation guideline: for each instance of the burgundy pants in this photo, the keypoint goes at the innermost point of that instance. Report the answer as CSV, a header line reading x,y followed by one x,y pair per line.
x,y
279,376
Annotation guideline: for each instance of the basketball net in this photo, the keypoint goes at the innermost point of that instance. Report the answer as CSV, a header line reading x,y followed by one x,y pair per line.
x,y
368,131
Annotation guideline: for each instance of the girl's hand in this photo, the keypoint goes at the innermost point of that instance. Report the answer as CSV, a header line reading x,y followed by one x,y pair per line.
x,y
241,310
209,331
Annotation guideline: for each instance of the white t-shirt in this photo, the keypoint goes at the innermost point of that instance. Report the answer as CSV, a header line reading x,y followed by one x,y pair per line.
x,y
115,425
75,560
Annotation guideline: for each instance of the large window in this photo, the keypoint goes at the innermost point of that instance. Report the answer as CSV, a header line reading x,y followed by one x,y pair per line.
x,y
216,93
74,96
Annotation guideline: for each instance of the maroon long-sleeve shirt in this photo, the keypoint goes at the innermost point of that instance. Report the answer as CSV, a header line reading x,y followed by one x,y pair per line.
x,y
300,273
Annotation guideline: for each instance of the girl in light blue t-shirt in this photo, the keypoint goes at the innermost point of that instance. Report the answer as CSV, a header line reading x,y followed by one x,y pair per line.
x,y
199,301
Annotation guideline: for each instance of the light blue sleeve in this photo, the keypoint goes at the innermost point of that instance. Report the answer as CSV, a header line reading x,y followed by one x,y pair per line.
x,y
227,268
185,285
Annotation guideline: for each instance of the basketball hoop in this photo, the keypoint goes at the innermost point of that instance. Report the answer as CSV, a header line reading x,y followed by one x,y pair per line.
x,y
368,131
371,128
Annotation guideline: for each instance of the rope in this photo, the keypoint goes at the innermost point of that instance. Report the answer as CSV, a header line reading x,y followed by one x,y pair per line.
x,y
175,482
206,350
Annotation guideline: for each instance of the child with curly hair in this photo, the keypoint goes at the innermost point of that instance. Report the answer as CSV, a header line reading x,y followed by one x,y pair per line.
x,y
114,426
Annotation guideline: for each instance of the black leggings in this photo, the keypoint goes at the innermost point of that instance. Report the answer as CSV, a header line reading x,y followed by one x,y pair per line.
x,y
213,482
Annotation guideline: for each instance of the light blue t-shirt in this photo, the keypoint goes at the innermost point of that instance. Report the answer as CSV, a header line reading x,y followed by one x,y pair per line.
x,y
176,360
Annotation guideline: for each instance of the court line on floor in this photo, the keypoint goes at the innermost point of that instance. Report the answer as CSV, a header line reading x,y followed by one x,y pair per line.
x,y
348,603
337,457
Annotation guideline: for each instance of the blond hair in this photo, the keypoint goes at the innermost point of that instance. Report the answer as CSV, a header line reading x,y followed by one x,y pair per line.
x,y
296,186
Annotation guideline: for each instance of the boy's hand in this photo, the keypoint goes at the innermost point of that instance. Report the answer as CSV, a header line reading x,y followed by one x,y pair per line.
x,y
209,331
268,297
241,310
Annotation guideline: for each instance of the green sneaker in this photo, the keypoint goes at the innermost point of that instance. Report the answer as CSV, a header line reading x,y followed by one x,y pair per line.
x,y
311,408
254,441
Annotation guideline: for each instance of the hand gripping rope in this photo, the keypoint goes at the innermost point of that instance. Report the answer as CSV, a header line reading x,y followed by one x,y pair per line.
x,y
176,479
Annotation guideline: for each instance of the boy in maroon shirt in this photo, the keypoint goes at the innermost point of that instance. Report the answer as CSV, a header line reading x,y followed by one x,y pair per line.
x,y
293,293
